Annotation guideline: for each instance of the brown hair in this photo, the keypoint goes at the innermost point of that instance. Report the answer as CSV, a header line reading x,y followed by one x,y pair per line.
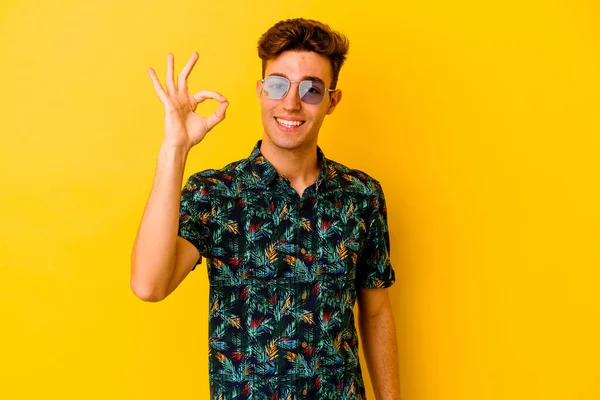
x,y
304,35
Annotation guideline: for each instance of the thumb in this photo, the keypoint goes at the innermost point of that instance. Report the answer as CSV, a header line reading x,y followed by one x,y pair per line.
x,y
218,116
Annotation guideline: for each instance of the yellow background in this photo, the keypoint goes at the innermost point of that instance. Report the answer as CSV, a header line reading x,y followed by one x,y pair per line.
x,y
480,119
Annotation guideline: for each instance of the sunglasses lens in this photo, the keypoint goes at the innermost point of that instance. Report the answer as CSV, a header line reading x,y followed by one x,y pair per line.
x,y
311,92
276,87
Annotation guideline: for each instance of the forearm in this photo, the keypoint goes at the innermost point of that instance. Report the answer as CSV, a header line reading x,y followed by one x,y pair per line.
x,y
378,337
154,249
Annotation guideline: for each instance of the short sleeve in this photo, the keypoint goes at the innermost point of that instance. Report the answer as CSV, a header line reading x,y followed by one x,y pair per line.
x,y
195,214
374,267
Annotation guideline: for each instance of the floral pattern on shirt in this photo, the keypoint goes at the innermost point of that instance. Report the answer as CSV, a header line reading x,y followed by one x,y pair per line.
x,y
283,272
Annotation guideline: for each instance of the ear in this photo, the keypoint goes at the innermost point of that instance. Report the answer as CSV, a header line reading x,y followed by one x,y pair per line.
x,y
336,97
259,89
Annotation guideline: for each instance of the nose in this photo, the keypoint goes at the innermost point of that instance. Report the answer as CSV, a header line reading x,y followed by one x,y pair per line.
x,y
291,101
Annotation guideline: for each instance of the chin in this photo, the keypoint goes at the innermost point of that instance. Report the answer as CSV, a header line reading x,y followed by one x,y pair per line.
x,y
285,140
285,143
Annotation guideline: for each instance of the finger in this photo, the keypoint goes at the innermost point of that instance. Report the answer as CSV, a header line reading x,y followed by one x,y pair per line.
x,y
170,80
218,116
157,86
207,94
183,76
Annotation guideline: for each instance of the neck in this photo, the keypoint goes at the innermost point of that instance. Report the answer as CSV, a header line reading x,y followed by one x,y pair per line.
x,y
300,166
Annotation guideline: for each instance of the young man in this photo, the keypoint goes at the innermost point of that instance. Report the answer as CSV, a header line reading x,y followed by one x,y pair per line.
x,y
291,238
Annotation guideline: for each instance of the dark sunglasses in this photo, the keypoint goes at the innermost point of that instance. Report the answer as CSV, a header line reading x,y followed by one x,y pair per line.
x,y
311,92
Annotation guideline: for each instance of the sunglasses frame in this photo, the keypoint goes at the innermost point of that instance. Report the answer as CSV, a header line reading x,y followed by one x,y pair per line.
x,y
290,85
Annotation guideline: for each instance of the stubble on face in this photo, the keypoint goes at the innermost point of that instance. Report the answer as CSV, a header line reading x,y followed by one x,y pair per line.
x,y
296,66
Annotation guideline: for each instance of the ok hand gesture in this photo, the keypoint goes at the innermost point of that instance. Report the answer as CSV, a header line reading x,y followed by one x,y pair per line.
x,y
183,127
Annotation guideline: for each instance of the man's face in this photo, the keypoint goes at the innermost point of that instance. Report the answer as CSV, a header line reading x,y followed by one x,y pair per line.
x,y
296,66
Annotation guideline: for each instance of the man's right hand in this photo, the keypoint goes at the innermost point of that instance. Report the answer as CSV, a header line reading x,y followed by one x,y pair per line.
x,y
160,259
183,127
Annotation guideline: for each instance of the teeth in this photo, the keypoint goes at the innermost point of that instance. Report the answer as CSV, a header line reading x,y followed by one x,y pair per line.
x,y
289,123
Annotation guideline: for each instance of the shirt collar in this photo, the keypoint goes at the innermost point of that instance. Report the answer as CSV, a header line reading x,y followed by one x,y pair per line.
x,y
264,171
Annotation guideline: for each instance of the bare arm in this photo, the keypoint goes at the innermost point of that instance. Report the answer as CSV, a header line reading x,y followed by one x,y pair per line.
x,y
378,334
155,249
160,259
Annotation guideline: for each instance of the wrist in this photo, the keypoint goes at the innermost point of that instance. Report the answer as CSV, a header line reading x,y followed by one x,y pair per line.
x,y
173,154
167,149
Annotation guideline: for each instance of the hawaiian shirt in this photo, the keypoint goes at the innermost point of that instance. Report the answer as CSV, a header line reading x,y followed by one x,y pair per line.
x,y
284,271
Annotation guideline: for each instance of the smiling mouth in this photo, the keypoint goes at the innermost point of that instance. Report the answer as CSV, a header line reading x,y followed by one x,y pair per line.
x,y
289,124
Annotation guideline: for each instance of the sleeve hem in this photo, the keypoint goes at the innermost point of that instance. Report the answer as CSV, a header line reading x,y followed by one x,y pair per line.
x,y
376,284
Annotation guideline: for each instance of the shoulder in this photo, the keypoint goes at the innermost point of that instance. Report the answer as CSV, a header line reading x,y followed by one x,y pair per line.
x,y
221,181
352,179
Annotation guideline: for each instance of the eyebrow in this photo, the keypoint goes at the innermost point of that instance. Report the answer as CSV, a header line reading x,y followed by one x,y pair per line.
x,y
304,78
